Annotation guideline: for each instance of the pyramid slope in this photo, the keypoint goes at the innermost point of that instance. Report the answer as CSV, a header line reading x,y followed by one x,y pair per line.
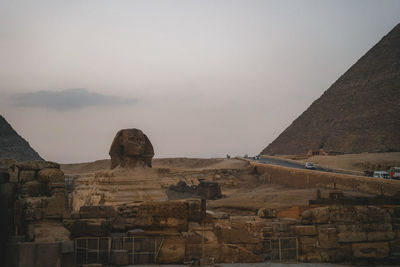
x,y
13,146
359,113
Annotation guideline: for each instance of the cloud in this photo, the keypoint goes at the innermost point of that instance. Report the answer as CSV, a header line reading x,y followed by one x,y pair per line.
x,y
68,99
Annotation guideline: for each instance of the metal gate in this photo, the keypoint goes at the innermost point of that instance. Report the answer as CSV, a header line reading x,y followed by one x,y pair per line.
x,y
142,250
89,250
282,249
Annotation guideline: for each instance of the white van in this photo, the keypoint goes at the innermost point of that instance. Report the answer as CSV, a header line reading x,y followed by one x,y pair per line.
x,y
381,174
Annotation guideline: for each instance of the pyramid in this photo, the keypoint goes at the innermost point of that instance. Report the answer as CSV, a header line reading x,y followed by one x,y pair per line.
x,y
13,146
360,112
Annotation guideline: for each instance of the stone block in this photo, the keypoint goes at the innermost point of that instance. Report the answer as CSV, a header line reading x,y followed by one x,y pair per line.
x,y
380,236
51,175
310,257
119,257
371,250
32,208
395,247
304,230
377,227
67,246
307,244
267,213
93,227
27,176
342,214
172,250
345,237
36,165
26,254
31,188
316,215
54,207
327,237
87,212
47,254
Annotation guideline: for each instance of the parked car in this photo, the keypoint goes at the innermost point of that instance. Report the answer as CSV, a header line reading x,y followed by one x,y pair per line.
x,y
381,174
395,173
309,166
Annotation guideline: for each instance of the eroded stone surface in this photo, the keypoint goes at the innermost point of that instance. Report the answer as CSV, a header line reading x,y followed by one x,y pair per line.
x,y
131,148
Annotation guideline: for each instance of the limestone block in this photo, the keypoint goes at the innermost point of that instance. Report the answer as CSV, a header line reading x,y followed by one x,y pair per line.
x,y
87,212
26,176
48,231
343,253
119,257
342,214
85,227
47,254
310,257
26,254
344,237
371,250
172,250
395,247
51,175
307,244
32,208
304,230
67,246
316,215
118,223
31,188
378,227
280,227
266,213
235,236
380,236
327,237
350,228
36,165
193,238
373,214
54,207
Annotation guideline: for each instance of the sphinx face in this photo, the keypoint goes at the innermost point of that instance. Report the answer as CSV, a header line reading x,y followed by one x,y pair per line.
x,y
133,143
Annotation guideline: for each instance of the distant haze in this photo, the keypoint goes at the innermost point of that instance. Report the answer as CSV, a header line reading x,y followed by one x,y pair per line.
x,y
200,78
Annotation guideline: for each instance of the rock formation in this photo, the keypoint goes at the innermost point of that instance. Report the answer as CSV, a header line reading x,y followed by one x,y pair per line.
x,y
131,148
13,146
358,113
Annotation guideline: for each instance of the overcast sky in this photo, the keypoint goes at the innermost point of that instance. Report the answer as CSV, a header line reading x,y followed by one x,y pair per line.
x,y
200,78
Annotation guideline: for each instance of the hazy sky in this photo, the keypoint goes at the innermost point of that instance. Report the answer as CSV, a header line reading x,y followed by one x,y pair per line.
x,y
200,78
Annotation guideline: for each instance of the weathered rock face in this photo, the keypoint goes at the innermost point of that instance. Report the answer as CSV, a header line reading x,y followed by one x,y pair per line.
x,y
131,148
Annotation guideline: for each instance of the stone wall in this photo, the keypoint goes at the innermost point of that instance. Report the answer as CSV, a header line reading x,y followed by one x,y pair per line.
x,y
308,179
350,234
34,204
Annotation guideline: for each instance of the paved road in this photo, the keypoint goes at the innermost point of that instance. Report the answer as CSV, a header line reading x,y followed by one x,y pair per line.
x,y
290,164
